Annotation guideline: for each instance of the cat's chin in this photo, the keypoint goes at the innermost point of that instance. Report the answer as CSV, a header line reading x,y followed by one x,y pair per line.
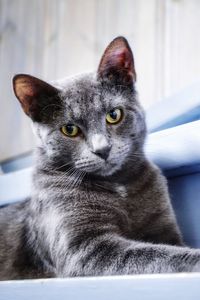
x,y
107,170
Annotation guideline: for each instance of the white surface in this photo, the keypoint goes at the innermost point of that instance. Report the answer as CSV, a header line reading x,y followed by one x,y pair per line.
x,y
141,287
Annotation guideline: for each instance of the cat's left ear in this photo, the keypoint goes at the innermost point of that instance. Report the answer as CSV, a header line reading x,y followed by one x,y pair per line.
x,y
117,63
34,95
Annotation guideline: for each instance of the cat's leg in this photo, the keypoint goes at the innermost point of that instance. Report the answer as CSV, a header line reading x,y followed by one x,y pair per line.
x,y
113,255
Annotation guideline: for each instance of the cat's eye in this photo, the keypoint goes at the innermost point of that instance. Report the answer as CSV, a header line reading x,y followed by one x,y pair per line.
x,y
114,116
70,130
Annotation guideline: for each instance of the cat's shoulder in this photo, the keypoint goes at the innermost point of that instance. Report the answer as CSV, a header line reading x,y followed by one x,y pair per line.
x,y
13,212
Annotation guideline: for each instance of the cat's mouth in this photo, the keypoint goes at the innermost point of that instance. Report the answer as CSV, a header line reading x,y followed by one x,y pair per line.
x,y
105,168
102,167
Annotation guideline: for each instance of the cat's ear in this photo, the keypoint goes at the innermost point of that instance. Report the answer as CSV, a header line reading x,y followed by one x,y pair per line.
x,y
117,63
33,94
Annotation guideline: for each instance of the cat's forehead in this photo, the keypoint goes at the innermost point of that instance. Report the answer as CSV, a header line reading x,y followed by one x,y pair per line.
x,y
84,93
82,90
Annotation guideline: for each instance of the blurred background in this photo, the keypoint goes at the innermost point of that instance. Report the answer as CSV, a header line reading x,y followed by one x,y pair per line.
x,y
52,39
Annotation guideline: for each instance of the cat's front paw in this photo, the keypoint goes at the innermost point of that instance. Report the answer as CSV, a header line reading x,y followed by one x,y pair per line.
x,y
196,260
191,261
196,268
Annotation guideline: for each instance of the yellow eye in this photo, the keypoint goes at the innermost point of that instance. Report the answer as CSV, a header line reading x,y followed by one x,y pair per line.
x,y
70,130
114,116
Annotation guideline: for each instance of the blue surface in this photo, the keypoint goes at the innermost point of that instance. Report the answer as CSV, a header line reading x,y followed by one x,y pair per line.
x,y
185,195
176,148
15,186
17,163
183,107
189,116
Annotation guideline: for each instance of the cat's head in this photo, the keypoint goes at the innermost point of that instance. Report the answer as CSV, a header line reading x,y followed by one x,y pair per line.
x,y
91,122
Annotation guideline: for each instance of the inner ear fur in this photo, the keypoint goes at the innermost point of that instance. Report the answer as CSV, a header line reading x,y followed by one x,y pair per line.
x,y
117,63
33,94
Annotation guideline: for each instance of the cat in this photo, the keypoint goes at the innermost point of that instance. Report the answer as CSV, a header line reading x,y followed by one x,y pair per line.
x,y
98,206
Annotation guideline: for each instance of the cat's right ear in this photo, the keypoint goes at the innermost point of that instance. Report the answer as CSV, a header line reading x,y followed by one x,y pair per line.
x,y
117,63
33,94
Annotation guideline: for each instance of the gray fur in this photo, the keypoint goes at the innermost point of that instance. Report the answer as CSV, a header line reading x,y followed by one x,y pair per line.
x,y
88,216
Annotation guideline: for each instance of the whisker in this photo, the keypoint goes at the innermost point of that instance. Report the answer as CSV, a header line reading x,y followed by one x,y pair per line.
x,y
61,177
64,165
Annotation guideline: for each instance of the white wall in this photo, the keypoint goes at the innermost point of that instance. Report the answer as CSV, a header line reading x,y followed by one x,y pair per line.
x,y
54,38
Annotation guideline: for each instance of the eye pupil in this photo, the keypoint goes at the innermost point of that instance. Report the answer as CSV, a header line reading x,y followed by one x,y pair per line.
x,y
70,128
113,114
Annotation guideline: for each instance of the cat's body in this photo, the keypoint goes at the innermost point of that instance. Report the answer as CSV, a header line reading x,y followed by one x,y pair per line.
x,y
98,206
75,224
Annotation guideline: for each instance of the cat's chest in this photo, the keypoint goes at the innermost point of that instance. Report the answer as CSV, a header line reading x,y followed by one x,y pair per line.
x,y
79,208
117,195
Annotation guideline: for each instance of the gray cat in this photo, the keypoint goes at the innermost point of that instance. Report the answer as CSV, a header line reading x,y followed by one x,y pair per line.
x,y
98,206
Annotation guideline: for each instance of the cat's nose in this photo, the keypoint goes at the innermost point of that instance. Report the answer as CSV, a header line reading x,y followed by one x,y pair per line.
x,y
100,146
103,152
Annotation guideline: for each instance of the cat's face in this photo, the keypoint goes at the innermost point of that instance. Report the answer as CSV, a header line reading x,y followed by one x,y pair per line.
x,y
91,122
